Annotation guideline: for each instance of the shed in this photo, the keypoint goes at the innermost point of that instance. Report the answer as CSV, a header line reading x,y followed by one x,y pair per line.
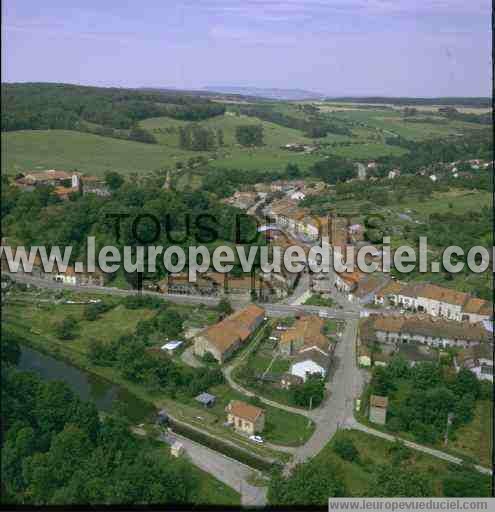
x,y
162,417
378,409
172,346
177,449
206,399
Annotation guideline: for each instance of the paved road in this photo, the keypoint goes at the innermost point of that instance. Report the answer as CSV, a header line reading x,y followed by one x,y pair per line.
x,y
344,385
272,310
229,471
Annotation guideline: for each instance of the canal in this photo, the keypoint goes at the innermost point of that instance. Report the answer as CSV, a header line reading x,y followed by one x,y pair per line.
x,y
107,397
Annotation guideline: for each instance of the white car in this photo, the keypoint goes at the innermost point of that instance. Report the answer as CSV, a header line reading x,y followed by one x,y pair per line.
x,y
256,439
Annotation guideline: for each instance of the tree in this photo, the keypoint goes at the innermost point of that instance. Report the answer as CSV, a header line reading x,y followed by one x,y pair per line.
x,y
464,482
310,393
139,135
333,169
114,180
66,329
395,481
93,311
220,140
224,307
345,448
249,135
293,171
467,383
310,484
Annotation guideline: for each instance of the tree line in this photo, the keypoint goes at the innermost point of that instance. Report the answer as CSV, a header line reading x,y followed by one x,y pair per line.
x,y
195,137
313,125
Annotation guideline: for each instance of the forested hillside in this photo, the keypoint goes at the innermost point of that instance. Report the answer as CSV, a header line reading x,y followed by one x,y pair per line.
x,y
41,106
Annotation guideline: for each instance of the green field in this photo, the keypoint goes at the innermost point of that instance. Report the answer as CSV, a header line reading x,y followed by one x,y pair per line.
x,y
92,154
268,156
476,438
388,122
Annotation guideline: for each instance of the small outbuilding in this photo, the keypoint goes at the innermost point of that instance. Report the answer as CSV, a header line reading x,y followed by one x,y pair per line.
x,y
171,346
378,409
162,418
177,449
206,399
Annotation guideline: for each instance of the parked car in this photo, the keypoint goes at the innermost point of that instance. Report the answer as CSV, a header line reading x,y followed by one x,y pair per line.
x,y
256,439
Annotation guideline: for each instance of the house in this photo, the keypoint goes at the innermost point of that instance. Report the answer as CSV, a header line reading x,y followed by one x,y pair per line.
x,y
51,177
206,399
224,338
309,362
478,359
388,294
245,418
94,185
378,409
306,331
177,449
297,195
390,331
366,288
477,310
219,284
445,302
171,346
347,282
70,276
287,380
64,193
242,200
356,232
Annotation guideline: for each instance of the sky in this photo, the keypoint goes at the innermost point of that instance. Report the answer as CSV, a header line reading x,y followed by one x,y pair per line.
x,y
422,48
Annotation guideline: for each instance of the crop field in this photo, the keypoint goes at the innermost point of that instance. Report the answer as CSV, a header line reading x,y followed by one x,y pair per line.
x,y
391,122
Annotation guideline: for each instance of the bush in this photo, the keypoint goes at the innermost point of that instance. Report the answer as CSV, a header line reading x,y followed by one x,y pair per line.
x,y
209,358
93,311
346,449
66,329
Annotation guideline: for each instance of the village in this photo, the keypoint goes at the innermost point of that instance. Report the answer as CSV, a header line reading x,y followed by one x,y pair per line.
x,y
417,321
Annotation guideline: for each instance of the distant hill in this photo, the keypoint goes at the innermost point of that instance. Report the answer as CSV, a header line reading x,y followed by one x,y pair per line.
x,y
402,101
268,93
